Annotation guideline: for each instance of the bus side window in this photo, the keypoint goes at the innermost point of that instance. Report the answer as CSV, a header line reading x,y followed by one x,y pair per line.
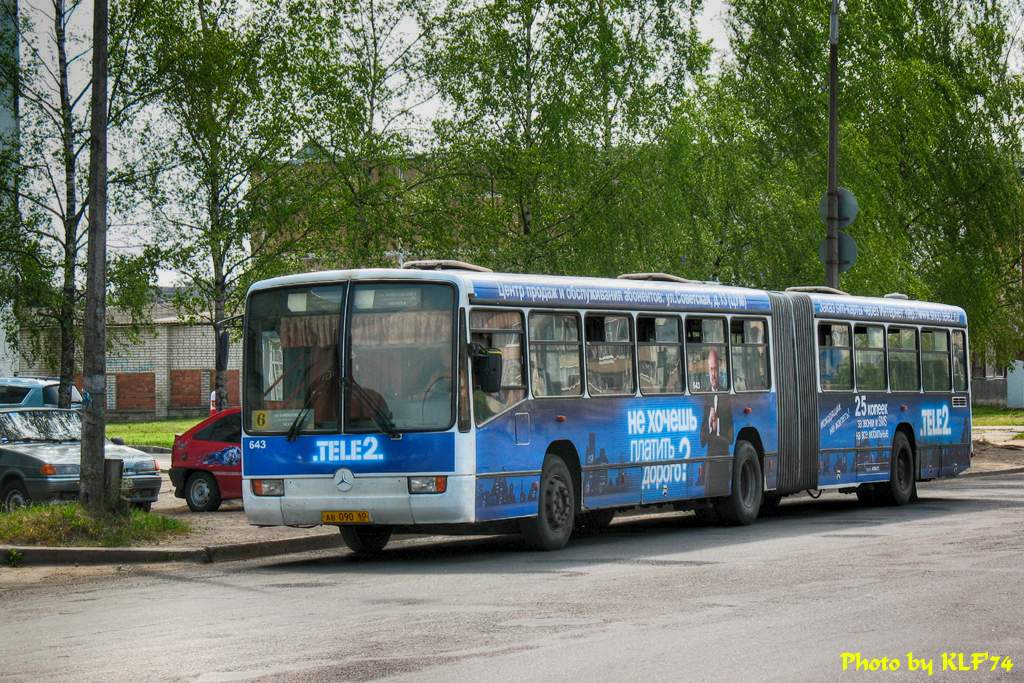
x,y
555,354
935,360
501,330
903,363
659,350
749,355
835,357
959,361
869,357
609,355
707,360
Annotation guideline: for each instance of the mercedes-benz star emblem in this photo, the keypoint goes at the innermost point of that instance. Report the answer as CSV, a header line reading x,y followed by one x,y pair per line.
x,y
344,479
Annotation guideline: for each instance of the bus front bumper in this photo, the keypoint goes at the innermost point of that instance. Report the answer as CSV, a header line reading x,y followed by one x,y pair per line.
x,y
386,498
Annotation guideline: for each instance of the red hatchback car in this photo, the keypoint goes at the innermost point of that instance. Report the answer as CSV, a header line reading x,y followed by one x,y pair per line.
x,y
206,461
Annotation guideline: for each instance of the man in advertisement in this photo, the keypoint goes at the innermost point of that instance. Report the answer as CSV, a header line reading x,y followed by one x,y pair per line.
x,y
716,430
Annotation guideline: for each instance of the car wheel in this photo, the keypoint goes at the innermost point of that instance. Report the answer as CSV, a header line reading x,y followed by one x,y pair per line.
x,y
202,493
366,540
556,508
14,495
145,507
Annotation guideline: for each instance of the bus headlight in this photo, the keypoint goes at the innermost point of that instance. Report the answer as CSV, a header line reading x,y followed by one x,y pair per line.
x,y
428,484
268,487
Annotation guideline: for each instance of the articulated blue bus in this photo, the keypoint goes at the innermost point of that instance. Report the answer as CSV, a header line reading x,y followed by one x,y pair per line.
x,y
442,397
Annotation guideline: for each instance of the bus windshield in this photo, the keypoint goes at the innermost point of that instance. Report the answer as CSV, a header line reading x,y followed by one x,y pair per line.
x,y
291,360
401,357
398,361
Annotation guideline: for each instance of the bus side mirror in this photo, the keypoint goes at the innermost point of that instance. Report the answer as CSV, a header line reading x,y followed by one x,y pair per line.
x,y
487,368
223,347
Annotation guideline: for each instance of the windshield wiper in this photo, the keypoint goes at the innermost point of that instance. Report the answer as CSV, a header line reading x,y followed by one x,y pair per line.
x,y
296,426
382,419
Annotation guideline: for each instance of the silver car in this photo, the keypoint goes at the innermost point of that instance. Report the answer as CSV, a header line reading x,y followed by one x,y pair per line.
x,y
40,460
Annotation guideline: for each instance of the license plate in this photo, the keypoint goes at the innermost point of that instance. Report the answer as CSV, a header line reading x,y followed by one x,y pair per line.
x,y
345,517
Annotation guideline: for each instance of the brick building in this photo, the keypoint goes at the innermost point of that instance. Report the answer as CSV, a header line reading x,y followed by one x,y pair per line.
x,y
167,371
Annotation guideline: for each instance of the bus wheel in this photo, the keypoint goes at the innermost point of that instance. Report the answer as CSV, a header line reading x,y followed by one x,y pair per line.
x,y
900,488
556,508
742,506
366,540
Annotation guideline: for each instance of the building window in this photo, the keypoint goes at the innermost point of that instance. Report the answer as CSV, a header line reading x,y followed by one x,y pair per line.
x,y
935,360
707,359
903,363
749,343
609,355
659,350
555,366
835,358
869,357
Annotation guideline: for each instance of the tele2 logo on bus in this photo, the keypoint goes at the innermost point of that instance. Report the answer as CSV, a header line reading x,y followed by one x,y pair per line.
x,y
366,449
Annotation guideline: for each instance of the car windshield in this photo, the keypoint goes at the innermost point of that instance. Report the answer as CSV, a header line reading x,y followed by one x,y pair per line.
x,y
40,425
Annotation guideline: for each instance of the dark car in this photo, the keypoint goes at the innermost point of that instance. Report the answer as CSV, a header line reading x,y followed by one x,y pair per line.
x,y
40,459
206,461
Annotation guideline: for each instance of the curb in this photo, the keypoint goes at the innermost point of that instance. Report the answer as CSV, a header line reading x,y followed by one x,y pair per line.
x,y
215,553
991,473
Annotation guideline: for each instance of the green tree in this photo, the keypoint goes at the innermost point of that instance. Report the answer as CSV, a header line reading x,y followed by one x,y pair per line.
x,y
44,166
549,108
355,68
929,142
229,186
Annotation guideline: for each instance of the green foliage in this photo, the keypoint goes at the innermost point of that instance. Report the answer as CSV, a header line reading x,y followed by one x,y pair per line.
x,y
69,524
929,143
13,558
984,416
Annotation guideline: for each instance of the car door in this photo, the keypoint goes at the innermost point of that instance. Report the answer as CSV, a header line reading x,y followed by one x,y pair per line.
x,y
217,449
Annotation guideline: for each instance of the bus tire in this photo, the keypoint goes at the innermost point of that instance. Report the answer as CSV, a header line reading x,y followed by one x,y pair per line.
x,y
742,506
365,540
899,490
556,508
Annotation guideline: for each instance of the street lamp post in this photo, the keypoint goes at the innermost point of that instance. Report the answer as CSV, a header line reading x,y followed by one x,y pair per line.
x,y
832,234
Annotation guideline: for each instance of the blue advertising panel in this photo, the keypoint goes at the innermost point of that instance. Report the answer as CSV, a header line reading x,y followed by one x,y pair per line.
x,y
632,450
857,432
896,310
275,456
562,292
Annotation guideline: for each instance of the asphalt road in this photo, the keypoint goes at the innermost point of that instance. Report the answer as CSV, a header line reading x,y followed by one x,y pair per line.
x,y
652,597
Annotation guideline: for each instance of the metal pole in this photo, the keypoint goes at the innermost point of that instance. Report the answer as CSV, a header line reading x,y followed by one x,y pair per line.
x,y
832,235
